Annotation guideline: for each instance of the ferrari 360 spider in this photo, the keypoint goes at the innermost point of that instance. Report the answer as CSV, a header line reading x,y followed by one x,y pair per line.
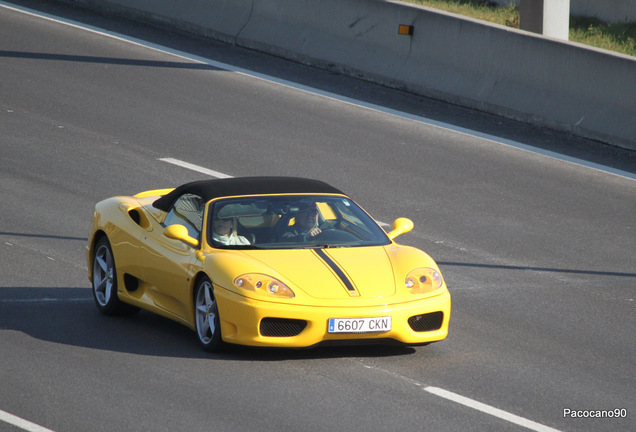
x,y
265,261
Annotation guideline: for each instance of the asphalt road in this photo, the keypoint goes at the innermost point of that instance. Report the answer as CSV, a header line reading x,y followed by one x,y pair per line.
x,y
539,253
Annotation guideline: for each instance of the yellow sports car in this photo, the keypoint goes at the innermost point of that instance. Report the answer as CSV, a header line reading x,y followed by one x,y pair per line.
x,y
265,261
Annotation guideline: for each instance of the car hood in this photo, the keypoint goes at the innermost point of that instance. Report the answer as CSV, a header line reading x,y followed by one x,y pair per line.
x,y
338,273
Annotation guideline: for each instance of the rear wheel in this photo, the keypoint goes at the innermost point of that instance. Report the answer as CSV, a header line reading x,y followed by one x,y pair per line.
x,y
105,281
206,316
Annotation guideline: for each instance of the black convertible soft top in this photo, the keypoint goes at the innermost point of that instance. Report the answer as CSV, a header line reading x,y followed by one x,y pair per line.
x,y
217,188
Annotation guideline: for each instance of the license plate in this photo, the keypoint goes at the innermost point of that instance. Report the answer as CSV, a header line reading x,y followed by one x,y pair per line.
x,y
359,325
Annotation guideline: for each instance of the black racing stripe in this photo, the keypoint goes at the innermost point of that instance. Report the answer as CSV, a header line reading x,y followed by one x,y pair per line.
x,y
343,277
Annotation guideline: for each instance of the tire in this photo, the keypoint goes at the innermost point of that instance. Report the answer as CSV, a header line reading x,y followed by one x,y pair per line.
x,y
105,281
206,316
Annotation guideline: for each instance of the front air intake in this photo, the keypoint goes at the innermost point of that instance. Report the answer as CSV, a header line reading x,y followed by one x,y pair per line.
x,y
427,322
281,327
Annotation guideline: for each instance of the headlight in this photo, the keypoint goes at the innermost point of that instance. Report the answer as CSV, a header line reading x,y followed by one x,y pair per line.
x,y
423,280
263,284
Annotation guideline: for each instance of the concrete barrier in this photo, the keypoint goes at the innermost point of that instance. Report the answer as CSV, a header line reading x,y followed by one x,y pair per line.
x,y
562,85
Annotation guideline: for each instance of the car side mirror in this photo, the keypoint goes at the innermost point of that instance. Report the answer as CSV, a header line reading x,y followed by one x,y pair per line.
x,y
179,232
400,226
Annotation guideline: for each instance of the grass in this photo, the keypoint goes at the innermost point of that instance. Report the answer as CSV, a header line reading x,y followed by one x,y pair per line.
x,y
619,37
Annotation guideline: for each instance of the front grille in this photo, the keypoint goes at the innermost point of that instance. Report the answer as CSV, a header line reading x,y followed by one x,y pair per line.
x,y
427,322
281,327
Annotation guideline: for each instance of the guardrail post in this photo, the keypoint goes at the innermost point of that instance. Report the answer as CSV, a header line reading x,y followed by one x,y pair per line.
x,y
547,17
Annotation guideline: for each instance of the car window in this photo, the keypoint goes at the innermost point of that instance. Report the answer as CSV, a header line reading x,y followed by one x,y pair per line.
x,y
187,211
295,221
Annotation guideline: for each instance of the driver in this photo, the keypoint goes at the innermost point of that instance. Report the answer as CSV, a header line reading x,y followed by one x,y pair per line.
x,y
305,225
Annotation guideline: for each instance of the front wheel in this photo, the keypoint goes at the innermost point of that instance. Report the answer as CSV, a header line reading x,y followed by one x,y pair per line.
x,y
206,316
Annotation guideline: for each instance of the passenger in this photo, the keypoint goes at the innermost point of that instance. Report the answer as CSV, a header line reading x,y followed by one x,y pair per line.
x,y
225,232
305,225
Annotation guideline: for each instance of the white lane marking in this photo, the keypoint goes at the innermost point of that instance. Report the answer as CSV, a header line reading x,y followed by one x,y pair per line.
x,y
196,168
329,95
46,300
21,423
496,412
471,403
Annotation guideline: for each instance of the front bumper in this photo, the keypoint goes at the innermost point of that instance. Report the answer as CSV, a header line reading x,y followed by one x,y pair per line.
x,y
241,319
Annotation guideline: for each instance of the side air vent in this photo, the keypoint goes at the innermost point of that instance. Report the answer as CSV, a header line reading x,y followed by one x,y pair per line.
x,y
427,322
139,218
130,282
281,327
134,215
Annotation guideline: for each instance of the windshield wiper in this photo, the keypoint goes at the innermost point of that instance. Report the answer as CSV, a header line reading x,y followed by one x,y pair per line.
x,y
238,247
324,246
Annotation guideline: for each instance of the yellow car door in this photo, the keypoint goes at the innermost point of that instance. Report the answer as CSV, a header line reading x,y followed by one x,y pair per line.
x,y
169,264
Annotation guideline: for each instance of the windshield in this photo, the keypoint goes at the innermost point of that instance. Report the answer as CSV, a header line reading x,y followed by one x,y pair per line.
x,y
292,222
